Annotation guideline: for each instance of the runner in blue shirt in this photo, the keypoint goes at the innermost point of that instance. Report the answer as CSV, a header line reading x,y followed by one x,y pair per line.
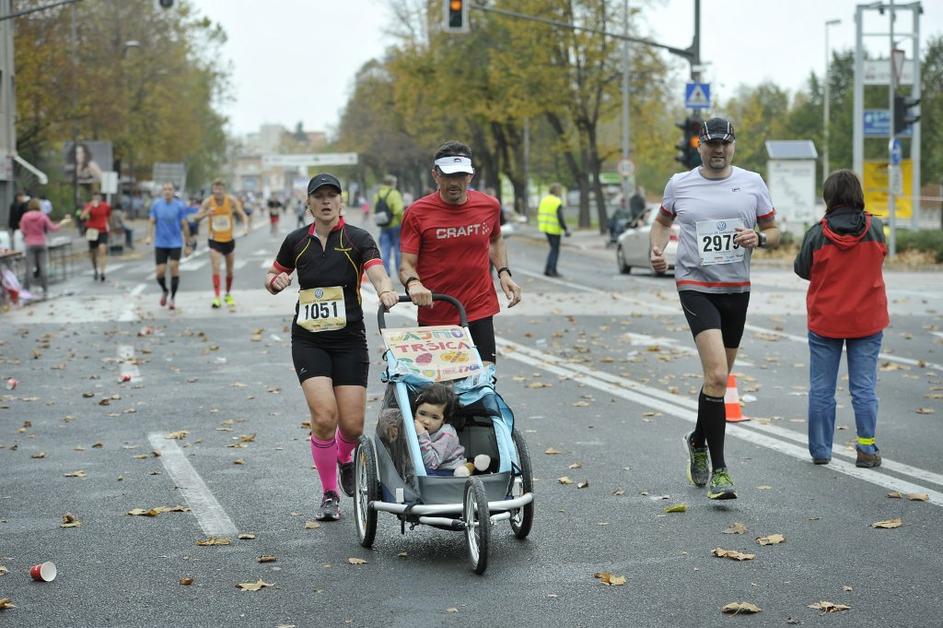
x,y
168,218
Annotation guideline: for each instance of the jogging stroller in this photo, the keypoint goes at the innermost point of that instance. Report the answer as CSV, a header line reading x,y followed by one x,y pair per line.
x,y
390,475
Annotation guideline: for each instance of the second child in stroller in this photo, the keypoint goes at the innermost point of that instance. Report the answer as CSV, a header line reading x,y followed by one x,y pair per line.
x,y
442,453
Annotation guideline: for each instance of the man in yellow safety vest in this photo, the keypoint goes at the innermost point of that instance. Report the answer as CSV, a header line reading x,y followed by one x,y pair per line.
x,y
550,221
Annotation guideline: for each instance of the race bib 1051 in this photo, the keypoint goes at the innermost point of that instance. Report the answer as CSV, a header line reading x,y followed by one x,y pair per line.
x,y
322,309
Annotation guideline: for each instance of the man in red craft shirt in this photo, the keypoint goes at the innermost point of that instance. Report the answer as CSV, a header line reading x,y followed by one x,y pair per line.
x,y
448,241
96,215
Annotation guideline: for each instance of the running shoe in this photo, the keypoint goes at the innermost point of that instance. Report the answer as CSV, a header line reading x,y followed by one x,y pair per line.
x,y
102,277
229,300
216,303
171,305
163,299
330,509
347,477
697,470
721,486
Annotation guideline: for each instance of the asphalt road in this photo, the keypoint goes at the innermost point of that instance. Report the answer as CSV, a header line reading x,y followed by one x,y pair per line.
x,y
598,366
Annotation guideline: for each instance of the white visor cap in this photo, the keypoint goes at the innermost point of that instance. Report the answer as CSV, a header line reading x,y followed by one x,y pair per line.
x,y
455,163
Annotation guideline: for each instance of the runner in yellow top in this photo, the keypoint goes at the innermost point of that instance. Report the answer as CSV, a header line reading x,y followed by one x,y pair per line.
x,y
220,208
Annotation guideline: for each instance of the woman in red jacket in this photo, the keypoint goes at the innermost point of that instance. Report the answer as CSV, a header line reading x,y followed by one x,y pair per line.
x,y
841,257
96,216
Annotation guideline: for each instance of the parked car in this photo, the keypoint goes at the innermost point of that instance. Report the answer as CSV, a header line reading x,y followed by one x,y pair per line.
x,y
632,246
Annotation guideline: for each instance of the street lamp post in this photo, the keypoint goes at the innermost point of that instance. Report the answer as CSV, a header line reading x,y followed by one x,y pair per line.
x,y
825,115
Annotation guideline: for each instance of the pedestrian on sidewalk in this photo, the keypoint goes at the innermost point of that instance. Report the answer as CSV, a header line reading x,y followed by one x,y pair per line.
x,y
718,207
550,221
96,215
328,337
168,220
841,256
388,215
34,225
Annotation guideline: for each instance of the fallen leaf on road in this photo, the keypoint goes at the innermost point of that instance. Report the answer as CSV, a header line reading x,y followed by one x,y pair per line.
x,y
246,536
888,524
153,512
39,455
6,603
267,558
539,385
550,451
186,581
924,410
75,474
312,525
178,435
582,484
918,497
247,438
772,539
88,395
238,461
894,495
69,521
741,608
580,404
402,554
215,540
764,487
731,554
451,610
575,465
736,528
565,480
829,607
3,570
254,586
847,589
619,491
608,579
356,561
677,508
104,402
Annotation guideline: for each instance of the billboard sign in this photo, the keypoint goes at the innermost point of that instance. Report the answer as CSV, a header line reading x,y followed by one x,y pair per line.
x,y
87,160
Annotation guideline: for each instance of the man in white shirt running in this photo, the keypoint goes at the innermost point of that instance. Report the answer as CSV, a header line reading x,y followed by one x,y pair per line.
x,y
718,208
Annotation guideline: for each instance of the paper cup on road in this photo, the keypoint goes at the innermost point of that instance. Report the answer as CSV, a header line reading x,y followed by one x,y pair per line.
x,y
43,572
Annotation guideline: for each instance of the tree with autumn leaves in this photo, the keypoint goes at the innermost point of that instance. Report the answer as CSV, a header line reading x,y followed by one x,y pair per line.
x,y
156,100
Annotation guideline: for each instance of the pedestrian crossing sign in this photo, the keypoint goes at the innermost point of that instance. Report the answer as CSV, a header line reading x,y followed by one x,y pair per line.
x,y
697,96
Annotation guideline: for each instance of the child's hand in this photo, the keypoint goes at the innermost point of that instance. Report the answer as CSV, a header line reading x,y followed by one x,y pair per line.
x,y
420,428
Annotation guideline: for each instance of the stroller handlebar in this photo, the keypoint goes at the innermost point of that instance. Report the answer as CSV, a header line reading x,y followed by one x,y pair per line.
x,y
403,298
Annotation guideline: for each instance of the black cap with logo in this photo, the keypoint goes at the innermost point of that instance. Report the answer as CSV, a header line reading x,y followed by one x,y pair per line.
x,y
320,180
717,129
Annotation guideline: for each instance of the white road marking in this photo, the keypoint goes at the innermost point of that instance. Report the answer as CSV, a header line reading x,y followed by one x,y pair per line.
x,y
128,367
193,265
209,513
683,408
239,264
652,305
137,290
266,264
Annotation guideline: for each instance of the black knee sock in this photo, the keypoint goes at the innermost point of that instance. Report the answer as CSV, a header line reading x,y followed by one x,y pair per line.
x,y
174,282
711,426
163,283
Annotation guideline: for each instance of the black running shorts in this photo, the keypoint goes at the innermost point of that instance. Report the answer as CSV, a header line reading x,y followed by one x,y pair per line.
x,y
482,333
161,254
222,247
101,241
726,312
346,366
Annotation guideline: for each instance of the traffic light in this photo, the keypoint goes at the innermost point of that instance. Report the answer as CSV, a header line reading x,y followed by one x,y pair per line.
x,y
455,16
690,140
903,116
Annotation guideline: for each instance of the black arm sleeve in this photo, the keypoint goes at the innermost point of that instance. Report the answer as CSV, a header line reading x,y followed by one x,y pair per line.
x,y
803,263
560,217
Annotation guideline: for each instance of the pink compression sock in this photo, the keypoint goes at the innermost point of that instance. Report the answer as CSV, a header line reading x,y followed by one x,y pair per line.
x,y
344,447
324,453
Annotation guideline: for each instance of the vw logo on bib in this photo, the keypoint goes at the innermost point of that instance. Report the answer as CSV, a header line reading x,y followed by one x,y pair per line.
x,y
318,293
721,226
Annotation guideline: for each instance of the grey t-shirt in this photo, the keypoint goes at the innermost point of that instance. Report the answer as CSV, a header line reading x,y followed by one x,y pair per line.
x,y
707,212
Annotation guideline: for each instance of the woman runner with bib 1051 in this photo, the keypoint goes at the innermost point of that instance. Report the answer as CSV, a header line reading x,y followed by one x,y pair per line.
x,y
718,208
328,341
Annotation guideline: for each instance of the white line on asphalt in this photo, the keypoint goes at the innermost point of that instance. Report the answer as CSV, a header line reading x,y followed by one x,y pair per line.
x,y
266,264
128,367
209,513
138,289
239,264
194,265
652,305
679,407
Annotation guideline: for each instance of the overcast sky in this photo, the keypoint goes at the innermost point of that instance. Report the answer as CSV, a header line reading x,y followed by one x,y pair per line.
x,y
294,60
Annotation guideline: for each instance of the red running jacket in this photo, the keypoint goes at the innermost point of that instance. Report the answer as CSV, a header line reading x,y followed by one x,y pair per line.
x,y
841,256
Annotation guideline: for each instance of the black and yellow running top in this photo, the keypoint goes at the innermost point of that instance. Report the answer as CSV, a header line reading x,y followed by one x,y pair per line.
x,y
349,252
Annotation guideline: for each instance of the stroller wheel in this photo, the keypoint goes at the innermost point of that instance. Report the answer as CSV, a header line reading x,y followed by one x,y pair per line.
x,y
477,523
523,518
366,490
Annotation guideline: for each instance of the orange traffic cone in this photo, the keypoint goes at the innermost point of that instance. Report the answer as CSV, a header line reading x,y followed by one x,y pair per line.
x,y
732,401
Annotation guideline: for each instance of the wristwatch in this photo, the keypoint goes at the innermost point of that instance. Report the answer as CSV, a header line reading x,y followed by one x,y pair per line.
x,y
409,281
505,269
762,239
